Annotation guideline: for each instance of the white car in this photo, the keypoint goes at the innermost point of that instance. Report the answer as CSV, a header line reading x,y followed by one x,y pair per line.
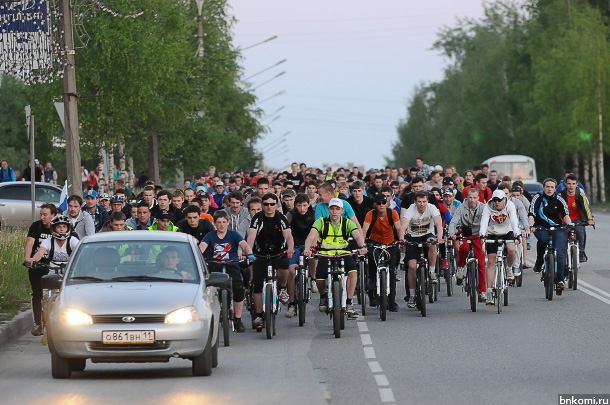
x,y
16,201
134,296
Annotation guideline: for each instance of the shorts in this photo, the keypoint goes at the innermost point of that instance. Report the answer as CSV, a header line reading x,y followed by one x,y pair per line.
x,y
260,271
412,252
237,283
492,248
295,257
322,269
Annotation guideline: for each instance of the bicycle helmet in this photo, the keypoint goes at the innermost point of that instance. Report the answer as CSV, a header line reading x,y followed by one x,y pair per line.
x,y
61,219
115,199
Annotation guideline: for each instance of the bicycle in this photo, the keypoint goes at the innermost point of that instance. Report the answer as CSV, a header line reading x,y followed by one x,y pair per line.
x,y
500,283
471,278
573,257
226,301
270,294
303,291
549,268
47,295
423,285
383,270
446,272
519,266
336,288
361,286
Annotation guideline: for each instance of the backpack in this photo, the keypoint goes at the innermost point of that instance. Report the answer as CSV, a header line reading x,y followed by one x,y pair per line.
x,y
51,251
9,170
389,214
326,227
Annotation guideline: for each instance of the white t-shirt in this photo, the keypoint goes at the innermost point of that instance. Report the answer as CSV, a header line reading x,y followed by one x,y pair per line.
x,y
421,224
60,254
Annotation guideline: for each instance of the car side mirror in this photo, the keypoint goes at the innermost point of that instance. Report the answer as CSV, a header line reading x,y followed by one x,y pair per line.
x,y
51,282
219,280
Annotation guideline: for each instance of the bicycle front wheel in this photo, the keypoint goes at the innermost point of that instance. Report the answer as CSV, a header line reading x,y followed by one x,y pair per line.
x,y
383,296
362,289
575,265
269,311
421,285
224,316
301,292
337,308
550,276
449,272
471,285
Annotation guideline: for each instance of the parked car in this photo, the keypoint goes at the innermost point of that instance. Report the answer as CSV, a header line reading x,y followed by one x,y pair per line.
x,y
16,201
533,188
137,296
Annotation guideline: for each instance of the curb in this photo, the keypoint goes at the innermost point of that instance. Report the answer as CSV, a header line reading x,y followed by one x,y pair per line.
x,y
15,327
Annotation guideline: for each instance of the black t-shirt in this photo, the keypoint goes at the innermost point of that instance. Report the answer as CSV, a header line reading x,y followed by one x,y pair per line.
x,y
361,209
300,225
269,233
203,228
39,232
297,180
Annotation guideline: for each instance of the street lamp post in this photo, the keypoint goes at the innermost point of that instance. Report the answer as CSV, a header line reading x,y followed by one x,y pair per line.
x,y
258,43
200,27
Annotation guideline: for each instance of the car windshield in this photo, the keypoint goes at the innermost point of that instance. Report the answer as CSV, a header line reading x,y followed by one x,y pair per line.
x,y
130,262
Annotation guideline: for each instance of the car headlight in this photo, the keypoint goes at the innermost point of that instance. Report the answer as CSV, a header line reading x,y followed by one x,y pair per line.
x,y
73,316
182,315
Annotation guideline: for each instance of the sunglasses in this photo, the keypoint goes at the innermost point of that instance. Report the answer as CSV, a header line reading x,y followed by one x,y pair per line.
x,y
269,204
496,199
384,202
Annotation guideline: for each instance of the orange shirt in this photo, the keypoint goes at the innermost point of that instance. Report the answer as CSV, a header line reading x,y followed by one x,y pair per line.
x,y
381,231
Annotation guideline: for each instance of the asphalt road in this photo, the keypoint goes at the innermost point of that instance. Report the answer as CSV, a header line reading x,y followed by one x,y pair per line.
x,y
530,353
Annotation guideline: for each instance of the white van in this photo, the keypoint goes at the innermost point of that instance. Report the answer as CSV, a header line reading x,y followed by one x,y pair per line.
x,y
518,167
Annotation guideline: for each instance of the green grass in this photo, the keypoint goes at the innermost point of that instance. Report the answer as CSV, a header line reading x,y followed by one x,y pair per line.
x,y
14,283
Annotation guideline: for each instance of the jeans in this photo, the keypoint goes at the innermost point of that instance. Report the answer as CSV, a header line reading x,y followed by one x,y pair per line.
x,y
581,234
35,276
560,245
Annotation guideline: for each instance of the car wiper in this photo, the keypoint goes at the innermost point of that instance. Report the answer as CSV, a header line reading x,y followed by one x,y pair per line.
x,y
87,278
145,278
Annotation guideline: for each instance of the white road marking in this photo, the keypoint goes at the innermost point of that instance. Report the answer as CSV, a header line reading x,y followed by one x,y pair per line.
x,y
366,339
375,367
385,394
591,287
594,295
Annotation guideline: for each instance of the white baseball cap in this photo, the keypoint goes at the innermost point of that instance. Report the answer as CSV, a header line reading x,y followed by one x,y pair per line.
x,y
498,194
337,202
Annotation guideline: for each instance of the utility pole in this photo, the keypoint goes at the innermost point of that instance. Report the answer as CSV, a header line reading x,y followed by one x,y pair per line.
x,y
70,98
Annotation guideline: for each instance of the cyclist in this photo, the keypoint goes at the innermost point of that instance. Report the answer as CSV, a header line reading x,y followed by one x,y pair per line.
x,y
468,219
301,219
420,221
254,205
382,226
269,233
580,211
193,225
523,223
500,221
222,244
38,232
143,220
550,210
333,232
236,210
360,202
480,184
59,247
82,222
94,208
116,223
163,222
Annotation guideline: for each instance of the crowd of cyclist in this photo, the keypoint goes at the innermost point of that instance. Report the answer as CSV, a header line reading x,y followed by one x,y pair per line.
x,y
334,211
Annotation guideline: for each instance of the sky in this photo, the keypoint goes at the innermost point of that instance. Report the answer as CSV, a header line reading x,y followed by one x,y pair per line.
x,y
351,68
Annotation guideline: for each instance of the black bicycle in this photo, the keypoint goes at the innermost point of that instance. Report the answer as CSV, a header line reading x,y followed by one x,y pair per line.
x,y
270,294
549,270
361,285
383,274
423,285
471,278
302,289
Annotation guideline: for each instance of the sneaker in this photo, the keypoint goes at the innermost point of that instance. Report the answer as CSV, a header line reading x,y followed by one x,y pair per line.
x,y
397,277
509,275
411,303
393,307
433,278
583,257
537,269
517,271
323,304
283,296
490,299
373,302
559,289
292,310
238,326
37,330
483,297
314,287
349,309
459,275
258,322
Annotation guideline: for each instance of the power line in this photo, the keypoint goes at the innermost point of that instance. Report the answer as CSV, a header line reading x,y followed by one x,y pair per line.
x,y
366,100
335,20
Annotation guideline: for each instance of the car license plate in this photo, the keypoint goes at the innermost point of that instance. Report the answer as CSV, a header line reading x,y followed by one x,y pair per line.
x,y
128,337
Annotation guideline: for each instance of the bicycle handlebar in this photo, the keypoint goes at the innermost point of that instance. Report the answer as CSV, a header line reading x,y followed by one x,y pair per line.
x,y
269,257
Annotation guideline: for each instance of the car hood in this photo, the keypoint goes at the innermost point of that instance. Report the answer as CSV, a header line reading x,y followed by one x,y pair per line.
x,y
131,298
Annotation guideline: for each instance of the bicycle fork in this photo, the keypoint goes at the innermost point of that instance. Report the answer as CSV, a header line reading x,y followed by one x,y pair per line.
x,y
270,281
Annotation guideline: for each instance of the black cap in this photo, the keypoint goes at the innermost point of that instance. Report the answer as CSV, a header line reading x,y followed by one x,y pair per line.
x,y
149,182
414,169
380,198
164,214
448,180
142,203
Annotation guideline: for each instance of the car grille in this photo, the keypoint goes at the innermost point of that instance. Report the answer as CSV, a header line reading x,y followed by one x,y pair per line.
x,y
99,346
119,319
